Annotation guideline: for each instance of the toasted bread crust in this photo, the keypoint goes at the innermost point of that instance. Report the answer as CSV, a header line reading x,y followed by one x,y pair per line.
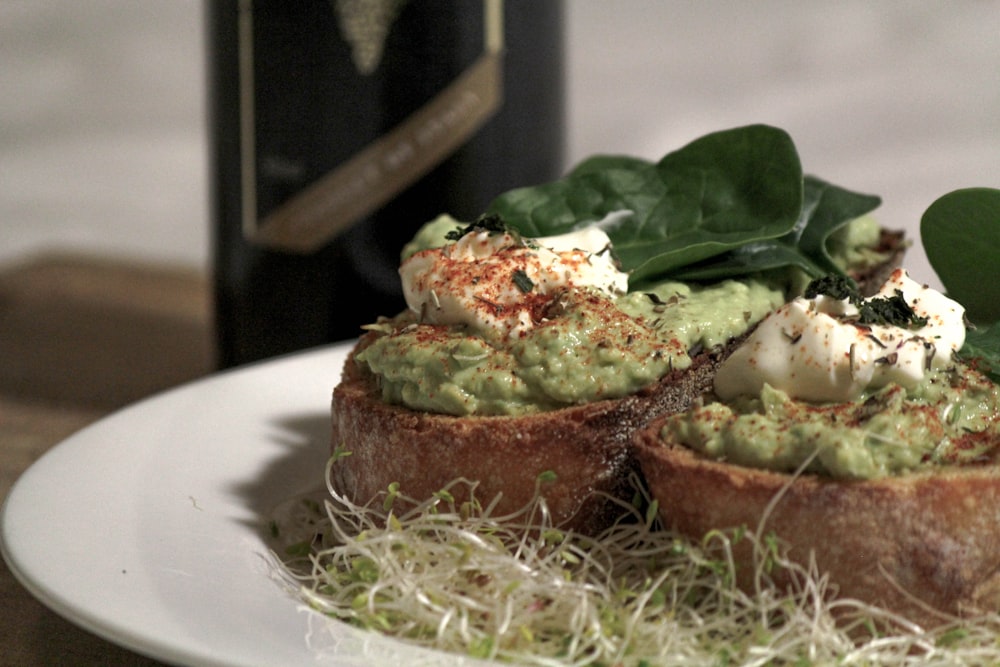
x,y
588,447
894,245
912,544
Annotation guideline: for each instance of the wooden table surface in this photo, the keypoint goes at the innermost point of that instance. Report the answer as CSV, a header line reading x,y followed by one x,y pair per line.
x,y
81,337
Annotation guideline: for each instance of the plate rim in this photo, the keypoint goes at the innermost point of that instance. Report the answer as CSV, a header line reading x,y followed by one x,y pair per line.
x,y
358,646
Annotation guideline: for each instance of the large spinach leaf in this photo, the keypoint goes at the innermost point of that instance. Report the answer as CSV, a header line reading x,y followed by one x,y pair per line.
x,y
595,188
825,209
961,236
720,192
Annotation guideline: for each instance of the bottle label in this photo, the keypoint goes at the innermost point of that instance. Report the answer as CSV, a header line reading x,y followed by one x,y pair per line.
x,y
363,183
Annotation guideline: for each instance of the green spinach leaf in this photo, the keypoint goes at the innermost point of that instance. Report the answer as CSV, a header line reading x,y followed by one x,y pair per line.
x,y
828,208
961,236
825,209
595,188
720,192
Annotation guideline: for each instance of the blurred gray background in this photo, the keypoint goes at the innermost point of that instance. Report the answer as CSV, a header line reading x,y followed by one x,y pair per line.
x,y
102,117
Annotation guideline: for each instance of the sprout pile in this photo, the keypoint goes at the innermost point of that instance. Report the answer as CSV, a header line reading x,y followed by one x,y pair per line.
x,y
447,573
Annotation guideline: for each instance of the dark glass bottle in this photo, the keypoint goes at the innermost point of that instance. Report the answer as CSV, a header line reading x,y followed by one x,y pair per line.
x,y
336,133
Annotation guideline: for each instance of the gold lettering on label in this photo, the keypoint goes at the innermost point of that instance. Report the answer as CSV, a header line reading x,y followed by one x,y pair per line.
x,y
364,25
450,118
394,161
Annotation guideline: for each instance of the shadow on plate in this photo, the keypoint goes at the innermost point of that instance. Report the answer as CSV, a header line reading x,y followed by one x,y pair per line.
x,y
298,469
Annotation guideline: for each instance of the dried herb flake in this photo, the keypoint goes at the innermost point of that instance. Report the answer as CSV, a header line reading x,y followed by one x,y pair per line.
x,y
885,310
523,282
491,223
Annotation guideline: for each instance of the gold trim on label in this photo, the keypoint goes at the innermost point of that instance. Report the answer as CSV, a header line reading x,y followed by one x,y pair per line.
x,y
381,170
364,24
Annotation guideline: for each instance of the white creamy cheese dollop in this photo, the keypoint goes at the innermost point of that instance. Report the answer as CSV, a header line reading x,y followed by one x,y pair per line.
x,y
492,281
813,350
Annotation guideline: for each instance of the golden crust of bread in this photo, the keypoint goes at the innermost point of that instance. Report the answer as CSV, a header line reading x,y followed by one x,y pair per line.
x,y
912,544
586,446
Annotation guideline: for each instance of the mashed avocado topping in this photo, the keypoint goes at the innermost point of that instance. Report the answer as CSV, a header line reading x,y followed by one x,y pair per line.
x,y
702,317
583,344
849,387
951,417
597,284
590,347
587,344
588,350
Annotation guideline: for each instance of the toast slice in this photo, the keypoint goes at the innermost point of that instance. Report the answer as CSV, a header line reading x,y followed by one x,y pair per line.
x,y
925,545
587,447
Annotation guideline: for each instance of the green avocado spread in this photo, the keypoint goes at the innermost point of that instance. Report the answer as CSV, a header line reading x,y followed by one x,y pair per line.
x,y
591,347
951,418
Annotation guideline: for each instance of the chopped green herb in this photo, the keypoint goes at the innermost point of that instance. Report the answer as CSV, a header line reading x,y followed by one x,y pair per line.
x,y
835,287
490,222
886,310
892,310
523,282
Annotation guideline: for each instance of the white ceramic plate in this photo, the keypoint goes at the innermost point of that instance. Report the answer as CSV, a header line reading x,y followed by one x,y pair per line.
x,y
144,528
